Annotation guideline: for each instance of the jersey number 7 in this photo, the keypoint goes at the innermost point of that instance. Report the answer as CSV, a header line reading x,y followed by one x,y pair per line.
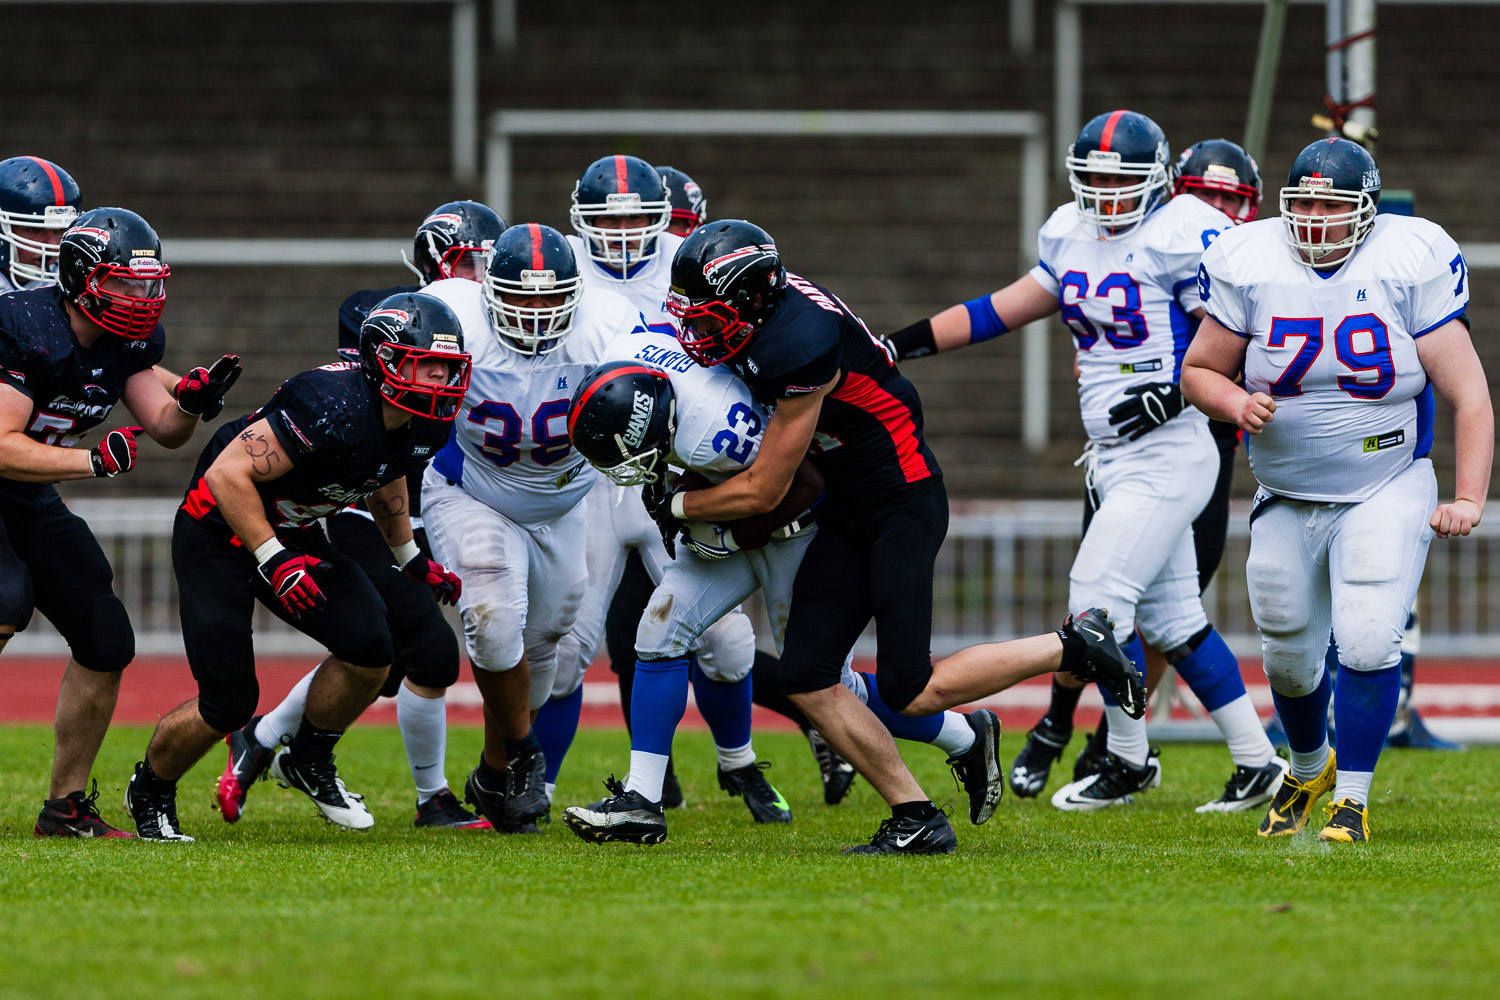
x,y
1377,359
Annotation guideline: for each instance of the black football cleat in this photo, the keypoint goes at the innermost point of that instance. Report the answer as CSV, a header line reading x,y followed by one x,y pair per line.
x,y
671,791
1091,758
901,835
76,815
978,768
319,780
762,799
1249,787
1033,765
1105,663
1115,783
527,799
493,804
155,815
625,817
836,772
248,763
443,810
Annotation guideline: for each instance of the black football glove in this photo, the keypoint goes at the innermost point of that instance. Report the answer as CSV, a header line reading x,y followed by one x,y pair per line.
x,y
201,391
658,500
1150,405
116,453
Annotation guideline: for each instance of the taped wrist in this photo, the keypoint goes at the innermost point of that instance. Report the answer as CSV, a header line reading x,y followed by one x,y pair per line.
x,y
915,341
984,322
267,549
406,552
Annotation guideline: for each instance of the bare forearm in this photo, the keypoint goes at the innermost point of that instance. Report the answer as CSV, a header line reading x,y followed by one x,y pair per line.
x,y
1474,447
749,493
28,461
240,503
173,427
1212,393
389,507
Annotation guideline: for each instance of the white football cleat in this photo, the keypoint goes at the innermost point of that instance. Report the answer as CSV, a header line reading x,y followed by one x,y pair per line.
x,y
1249,787
321,783
1114,784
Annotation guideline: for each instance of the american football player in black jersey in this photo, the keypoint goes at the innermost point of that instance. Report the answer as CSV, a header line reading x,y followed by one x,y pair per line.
x,y
838,395
248,531
68,352
452,242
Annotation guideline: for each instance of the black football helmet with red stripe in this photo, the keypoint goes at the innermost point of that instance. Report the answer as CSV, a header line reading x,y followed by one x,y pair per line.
x,y
36,196
454,241
1130,146
628,196
727,280
622,420
532,289
399,333
109,265
689,207
1216,167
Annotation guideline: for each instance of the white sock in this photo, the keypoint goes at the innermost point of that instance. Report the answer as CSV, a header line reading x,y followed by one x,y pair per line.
x,y
956,735
648,772
280,723
1127,737
1307,766
731,758
424,731
1243,732
551,790
1353,785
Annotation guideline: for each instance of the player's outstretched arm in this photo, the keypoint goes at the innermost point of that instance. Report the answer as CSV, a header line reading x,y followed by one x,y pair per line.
x,y
761,487
1214,358
1018,303
1447,355
152,404
28,461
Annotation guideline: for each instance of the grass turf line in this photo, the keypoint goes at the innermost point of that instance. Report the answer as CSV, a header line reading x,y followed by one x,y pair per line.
x,y
1149,900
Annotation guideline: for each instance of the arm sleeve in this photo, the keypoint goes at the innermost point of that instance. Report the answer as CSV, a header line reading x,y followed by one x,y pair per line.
x,y
1217,293
1442,287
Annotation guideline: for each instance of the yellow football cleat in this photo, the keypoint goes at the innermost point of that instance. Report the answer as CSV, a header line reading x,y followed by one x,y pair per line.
x,y
1348,822
1294,802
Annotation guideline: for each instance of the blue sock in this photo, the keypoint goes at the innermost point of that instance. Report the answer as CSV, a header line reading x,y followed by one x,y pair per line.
x,y
1212,672
1137,654
1364,706
918,729
556,725
656,703
1305,717
725,706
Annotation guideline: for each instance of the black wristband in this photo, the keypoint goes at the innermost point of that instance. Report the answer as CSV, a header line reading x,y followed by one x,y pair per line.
x,y
1074,649
915,341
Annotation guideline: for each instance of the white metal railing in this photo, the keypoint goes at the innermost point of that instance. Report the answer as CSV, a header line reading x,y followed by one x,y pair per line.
x,y
1002,573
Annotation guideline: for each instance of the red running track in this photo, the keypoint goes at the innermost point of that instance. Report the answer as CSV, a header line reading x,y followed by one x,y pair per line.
x,y
1456,689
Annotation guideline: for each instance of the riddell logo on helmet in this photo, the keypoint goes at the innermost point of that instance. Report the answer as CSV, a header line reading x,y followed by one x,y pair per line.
x,y
1317,183
146,267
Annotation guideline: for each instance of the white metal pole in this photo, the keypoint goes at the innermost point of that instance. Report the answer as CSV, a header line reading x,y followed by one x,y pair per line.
x,y
1067,113
1022,27
1035,382
1359,62
503,25
497,157
465,64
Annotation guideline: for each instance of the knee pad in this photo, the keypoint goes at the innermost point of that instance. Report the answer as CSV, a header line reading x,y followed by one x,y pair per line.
x,y
570,667
660,636
493,635
373,651
1292,668
227,707
726,650
429,658
16,598
110,642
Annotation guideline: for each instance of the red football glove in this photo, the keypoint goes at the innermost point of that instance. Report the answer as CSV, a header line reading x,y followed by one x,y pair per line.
x,y
445,586
116,453
290,576
201,391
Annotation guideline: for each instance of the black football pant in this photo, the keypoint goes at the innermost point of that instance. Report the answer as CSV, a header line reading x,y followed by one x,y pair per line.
x,y
426,648
51,562
1212,525
625,611
218,584
876,562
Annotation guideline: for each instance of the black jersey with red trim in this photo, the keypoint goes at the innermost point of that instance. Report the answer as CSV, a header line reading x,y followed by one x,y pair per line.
x,y
72,388
351,317
329,422
869,438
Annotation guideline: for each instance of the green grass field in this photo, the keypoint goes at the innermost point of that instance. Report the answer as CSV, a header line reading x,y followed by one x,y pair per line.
x,y
1150,900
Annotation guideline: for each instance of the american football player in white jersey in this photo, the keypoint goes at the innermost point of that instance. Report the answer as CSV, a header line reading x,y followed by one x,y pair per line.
x,y
1343,323
503,499
649,407
38,201
1119,264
